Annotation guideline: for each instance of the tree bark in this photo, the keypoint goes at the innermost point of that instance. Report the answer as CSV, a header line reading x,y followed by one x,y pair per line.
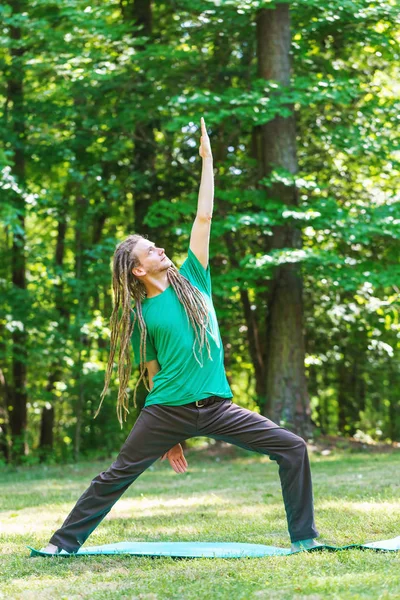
x,y
4,424
145,192
15,96
83,342
351,386
287,395
55,371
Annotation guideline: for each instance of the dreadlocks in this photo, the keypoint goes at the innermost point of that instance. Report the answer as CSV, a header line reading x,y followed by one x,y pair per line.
x,y
126,287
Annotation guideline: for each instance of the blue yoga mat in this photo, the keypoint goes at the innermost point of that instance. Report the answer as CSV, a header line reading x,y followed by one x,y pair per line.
x,y
210,549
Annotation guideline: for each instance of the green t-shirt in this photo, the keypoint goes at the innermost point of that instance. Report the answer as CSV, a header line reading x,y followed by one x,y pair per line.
x,y
170,338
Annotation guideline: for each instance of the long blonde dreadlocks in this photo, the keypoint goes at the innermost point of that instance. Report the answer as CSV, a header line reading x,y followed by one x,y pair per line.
x,y
127,287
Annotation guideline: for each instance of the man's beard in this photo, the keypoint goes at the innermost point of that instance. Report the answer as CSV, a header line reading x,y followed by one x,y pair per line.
x,y
162,267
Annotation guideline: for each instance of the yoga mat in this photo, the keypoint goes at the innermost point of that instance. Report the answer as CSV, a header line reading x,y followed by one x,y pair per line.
x,y
210,549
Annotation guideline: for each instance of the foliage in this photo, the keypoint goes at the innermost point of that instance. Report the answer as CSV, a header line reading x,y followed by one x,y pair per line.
x,y
94,85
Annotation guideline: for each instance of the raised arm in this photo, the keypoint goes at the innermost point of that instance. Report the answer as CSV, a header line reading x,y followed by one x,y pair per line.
x,y
200,235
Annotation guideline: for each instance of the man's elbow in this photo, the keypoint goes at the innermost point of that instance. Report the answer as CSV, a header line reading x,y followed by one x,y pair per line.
x,y
205,217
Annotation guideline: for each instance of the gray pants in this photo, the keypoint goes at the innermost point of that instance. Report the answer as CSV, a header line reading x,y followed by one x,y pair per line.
x,y
159,428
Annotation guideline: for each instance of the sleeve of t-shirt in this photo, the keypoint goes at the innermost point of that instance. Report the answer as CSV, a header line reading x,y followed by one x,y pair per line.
x,y
151,354
193,270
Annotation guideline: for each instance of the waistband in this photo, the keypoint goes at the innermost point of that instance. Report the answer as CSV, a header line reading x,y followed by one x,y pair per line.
x,y
208,401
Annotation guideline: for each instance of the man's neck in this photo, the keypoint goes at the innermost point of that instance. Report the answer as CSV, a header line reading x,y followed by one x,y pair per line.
x,y
154,287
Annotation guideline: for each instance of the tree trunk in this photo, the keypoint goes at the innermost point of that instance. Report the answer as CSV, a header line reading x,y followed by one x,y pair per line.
x,y
46,428
83,342
287,395
351,387
394,402
55,371
15,96
4,424
253,332
146,186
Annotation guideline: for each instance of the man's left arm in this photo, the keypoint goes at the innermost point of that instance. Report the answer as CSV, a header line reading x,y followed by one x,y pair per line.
x,y
200,236
199,244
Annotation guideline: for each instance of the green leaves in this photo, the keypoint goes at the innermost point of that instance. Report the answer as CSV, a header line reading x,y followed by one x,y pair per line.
x,y
111,113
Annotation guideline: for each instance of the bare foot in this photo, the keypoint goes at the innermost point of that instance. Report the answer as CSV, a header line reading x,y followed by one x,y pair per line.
x,y
51,549
305,545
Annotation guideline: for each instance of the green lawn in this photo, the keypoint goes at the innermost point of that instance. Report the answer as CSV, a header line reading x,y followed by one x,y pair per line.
x,y
233,497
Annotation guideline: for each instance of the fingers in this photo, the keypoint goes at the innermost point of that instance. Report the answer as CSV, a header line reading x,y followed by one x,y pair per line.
x,y
203,127
179,466
178,463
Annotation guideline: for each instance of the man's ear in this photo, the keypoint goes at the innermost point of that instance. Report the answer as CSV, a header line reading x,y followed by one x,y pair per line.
x,y
139,271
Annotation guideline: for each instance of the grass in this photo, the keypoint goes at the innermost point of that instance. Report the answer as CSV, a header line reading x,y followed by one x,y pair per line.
x,y
231,497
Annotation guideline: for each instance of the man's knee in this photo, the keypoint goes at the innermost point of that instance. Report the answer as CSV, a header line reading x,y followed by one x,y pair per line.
x,y
298,448
295,451
295,442
290,451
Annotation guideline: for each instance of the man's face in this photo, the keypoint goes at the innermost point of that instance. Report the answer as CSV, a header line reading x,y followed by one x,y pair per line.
x,y
152,259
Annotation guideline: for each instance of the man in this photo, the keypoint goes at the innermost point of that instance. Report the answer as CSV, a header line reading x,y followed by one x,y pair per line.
x,y
176,339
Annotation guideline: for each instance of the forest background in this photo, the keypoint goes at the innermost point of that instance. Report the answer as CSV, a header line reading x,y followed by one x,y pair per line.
x,y
100,107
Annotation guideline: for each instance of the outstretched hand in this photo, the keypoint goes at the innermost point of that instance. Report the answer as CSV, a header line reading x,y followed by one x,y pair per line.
x,y
205,146
176,459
